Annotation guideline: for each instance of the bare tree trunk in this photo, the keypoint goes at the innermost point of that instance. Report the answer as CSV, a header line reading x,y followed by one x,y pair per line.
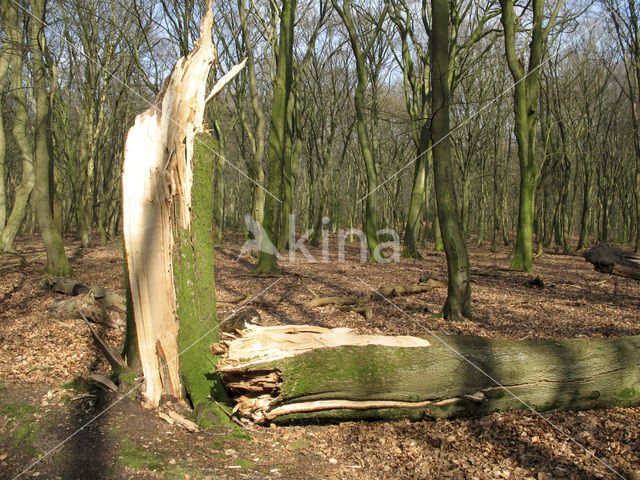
x,y
260,127
21,120
280,139
360,53
458,303
5,55
57,263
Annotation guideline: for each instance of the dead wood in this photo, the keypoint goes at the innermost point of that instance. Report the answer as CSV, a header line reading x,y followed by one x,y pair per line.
x,y
103,382
180,420
376,295
230,300
22,260
96,304
608,259
365,311
114,359
68,286
239,320
245,299
300,372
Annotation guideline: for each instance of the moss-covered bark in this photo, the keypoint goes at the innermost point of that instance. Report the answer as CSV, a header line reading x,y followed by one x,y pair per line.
x,y
458,303
360,50
57,263
437,382
525,105
193,268
21,120
416,209
4,70
280,140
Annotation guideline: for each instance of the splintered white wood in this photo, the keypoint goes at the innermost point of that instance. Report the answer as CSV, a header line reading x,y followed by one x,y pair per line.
x,y
156,179
262,344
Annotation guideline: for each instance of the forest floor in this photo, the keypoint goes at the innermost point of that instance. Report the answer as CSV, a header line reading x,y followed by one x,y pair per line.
x,y
45,397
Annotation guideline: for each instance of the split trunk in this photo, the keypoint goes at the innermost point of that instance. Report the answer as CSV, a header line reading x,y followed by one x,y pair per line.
x,y
168,232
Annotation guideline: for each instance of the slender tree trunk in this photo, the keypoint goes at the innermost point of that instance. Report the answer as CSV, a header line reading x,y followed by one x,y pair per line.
x,y
465,206
586,209
278,138
416,209
525,96
218,182
636,191
57,263
21,120
5,55
483,208
458,303
260,128
289,170
371,207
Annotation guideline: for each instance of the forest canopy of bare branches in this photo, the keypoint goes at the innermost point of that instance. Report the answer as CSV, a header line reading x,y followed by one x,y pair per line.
x,y
103,62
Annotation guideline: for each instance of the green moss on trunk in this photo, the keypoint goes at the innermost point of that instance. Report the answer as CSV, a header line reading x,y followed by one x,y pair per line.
x,y
195,291
578,373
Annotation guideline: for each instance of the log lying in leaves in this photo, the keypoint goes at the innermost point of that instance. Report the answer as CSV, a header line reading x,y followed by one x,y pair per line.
x,y
96,303
242,300
608,259
381,293
288,373
68,286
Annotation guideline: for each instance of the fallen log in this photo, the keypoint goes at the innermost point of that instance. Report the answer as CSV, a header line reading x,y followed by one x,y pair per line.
x,y
379,294
242,300
608,259
97,304
288,373
68,286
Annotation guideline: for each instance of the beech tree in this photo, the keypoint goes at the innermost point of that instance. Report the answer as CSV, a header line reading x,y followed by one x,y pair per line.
x,y
626,20
15,49
362,46
525,105
168,222
458,303
43,83
281,140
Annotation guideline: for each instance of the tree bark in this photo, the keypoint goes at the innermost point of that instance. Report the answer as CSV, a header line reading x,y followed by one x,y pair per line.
x,y
167,224
280,139
21,120
312,372
5,55
257,133
525,104
371,207
417,206
57,263
458,303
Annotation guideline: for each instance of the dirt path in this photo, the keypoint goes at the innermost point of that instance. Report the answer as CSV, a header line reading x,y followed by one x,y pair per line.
x,y
43,361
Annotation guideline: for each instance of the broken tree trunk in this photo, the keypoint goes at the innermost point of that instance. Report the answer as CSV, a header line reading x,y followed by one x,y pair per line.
x,y
291,372
608,259
167,221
